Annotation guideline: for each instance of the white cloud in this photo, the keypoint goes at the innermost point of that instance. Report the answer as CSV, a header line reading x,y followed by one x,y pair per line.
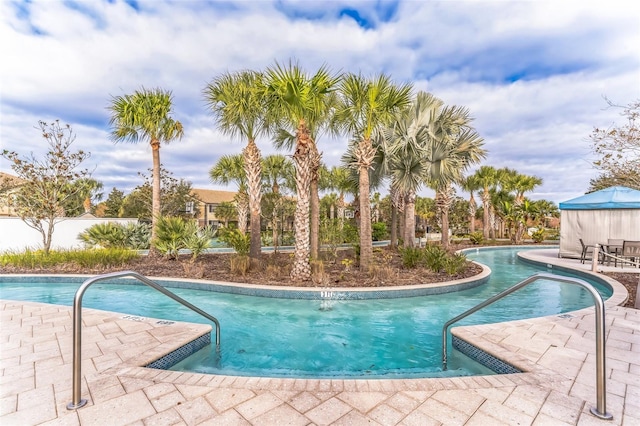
x,y
532,73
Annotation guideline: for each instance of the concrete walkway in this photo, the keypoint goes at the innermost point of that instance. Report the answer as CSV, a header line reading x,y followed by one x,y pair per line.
x,y
557,353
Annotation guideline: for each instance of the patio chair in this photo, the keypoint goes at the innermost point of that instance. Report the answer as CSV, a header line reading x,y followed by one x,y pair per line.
x,y
630,251
585,250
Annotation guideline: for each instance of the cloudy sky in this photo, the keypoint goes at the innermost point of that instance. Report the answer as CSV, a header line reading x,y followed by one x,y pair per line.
x,y
533,73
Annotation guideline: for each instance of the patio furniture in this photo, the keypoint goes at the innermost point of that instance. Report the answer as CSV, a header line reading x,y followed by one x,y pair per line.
x,y
631,251
614,248
585,250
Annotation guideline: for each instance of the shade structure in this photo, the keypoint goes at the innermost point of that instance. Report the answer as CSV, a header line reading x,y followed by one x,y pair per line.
x,y
611,213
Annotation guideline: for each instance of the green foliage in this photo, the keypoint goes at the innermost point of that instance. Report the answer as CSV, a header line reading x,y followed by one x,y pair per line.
x,y
455,264
411,256
476,238
134,236
198,239
48,184
379,231
171,235
94,258
236,240
435,257
538,235
113,203
174,196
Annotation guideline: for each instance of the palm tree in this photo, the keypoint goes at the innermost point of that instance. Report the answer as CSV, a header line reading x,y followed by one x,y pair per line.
x,y
146,115
364,106
454,147
230,169
471,185
278,172
406,143
238,106
299,101
487,178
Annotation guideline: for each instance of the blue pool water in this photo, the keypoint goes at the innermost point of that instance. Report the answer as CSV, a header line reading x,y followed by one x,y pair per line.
x,y
338,338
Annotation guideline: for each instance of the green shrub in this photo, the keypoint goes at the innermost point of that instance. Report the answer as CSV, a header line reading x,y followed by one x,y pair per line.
x,y
236,240
434,257
171,233
476,238
455,264
92,258
198,239
379,231
538,235
134,236
411,256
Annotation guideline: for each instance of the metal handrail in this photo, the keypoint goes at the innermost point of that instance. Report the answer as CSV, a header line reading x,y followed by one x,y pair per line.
x,y
77,401
601,387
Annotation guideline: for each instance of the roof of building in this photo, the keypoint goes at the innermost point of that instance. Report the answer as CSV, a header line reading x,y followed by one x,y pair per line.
x,y
615,197
6,178
213,196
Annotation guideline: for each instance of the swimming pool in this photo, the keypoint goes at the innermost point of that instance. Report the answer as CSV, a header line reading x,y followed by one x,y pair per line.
x,y
277,337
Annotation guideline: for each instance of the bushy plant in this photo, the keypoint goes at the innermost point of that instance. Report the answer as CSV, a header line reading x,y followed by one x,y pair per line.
x,y
94,258
411,256
171,233
455,264
198,239
133,236
236,240
476,238
435,257
379,231
538,235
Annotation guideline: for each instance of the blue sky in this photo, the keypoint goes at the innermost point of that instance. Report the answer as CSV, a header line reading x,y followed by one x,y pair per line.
x,y
532,73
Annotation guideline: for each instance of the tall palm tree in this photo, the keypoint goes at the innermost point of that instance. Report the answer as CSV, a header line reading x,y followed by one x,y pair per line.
x,y
454,147
238,106
488,179
471,185
296,100
146,115
230,169
518,184
407,143
364,106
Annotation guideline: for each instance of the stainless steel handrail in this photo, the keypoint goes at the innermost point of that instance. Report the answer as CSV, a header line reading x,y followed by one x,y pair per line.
x,y
77,401
601,387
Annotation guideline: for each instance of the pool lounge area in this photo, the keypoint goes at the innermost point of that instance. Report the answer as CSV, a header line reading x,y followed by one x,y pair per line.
x,y
557,354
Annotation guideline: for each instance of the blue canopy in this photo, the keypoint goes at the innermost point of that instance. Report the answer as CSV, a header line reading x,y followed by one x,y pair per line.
x,y
616,197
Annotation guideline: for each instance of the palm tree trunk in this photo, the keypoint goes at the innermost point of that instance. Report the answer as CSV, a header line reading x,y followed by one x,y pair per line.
x,y
242,199
155,195
365,154
472,214
301,270
486,202
394,226
253,169
315,158
409,219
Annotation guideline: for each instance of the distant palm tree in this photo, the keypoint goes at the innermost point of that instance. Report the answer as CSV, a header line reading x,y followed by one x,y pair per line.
x,y
454,147
488,179
237,102
296,100
278,172
364,106
471,185
146,115
230,169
